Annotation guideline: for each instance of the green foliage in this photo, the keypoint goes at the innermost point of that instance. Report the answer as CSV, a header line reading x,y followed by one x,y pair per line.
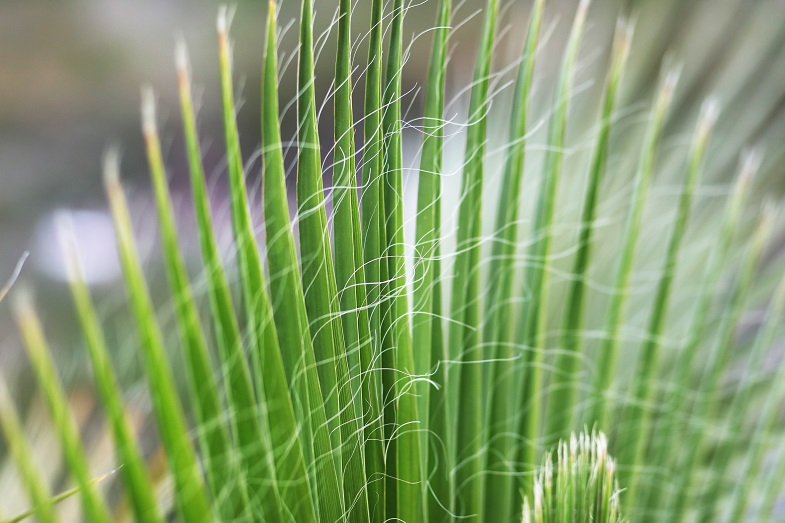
x,y
580,487
333,377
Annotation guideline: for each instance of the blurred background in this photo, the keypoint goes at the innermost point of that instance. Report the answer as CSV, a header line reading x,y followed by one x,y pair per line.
x,y
70,74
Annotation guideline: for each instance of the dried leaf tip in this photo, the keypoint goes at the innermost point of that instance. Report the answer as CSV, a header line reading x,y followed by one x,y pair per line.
x,y
224,22
625,28
181,56
111,167
22,304
710,111
224,19
583,7
751,160
669,83
149,127
66,237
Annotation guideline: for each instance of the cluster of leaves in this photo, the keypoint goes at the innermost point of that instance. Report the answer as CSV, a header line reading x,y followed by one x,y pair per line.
x,y
342,387
583,487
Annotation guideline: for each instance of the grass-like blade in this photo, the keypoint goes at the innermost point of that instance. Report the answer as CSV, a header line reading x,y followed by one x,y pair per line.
x,y
371,237
138,483
192,500
667,430
440,482
287,293
261,330
346,222
18,448
428,232
314,235
93,505
220,468
715,362
428,348
637,417
499,324
756,455
465,335
607,356
537,274
346,214
740,406
561,401
408,472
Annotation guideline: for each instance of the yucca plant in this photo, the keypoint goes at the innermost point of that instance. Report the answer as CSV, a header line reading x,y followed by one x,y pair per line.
x,y
582,487
333,375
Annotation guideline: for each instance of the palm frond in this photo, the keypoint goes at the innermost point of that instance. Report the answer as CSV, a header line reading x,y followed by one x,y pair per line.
x,y
351,364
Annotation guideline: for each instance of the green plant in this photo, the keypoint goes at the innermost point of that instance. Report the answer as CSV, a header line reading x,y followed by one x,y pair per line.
x,y
581,487
327,390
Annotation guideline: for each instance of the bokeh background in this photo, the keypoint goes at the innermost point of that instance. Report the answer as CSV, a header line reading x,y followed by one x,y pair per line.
x,y
70,74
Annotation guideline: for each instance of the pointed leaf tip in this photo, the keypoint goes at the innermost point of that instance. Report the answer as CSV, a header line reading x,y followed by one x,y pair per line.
x,y
66,238
710,111
223,20
583,8
111,167
625,28
149,127
181,55
671,80
22,302
751,160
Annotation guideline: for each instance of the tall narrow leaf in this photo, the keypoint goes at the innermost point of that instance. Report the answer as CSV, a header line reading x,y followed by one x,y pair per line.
x,y
190,493
256,455
346,221
370,241
286,290
398,341
219,461
734,423
138,483
465,337
639,418
756,455
20,451
93,505
499,323
667,431
537,275
606,362
715,361
428,349
561,401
